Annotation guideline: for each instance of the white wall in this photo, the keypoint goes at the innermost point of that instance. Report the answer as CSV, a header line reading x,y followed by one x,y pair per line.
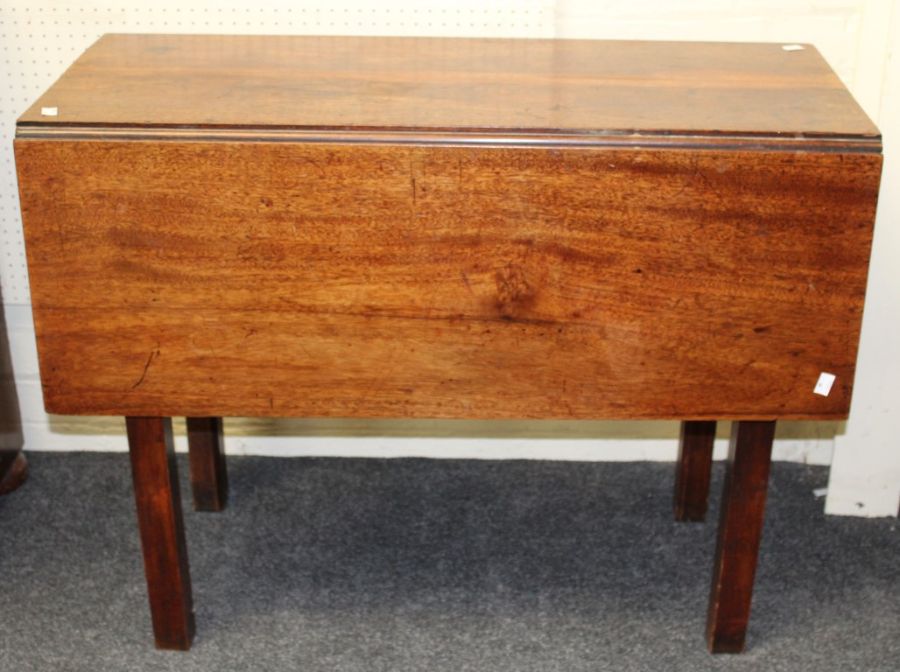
x,y
865,475
38,39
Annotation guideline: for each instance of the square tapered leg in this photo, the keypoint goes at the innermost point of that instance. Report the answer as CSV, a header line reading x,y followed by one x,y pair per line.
x,y
162,531
740,531
209,475
695,452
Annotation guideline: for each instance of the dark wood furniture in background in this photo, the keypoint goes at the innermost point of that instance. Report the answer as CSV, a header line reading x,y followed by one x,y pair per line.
x,y
13,465
13,469
396,227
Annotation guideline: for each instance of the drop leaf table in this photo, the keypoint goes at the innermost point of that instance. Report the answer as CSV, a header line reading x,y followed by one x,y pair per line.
x,y
447,228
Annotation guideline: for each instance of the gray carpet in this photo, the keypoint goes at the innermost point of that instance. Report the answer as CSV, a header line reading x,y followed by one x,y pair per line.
x,y
347,564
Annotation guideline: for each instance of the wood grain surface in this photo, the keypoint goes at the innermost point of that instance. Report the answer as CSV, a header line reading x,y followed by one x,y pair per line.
x,y
604,87
305,279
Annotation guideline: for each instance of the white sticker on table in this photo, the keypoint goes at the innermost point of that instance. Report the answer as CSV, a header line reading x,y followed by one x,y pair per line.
x,y
823,385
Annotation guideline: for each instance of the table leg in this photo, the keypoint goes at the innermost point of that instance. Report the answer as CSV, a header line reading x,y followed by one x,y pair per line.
x,y
13,470
162,531
209,476
740,530
695,451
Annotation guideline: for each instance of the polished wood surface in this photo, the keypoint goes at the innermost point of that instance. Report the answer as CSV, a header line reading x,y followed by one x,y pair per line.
x,y
740,531
433,83
306,279
159,516
693,469
209,473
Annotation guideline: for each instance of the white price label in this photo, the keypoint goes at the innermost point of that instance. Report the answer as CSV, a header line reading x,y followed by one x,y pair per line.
x,y
823,385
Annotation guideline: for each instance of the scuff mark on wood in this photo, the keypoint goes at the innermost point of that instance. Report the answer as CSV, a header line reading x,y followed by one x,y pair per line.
x,y
153,355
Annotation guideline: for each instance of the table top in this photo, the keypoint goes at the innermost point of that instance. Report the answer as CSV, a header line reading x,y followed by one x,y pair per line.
x,y
577,87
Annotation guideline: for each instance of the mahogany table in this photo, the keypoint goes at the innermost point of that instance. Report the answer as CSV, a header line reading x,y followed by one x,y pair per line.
x,y
447,228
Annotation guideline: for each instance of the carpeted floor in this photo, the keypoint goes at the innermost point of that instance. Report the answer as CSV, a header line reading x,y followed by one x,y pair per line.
x,y
347,564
